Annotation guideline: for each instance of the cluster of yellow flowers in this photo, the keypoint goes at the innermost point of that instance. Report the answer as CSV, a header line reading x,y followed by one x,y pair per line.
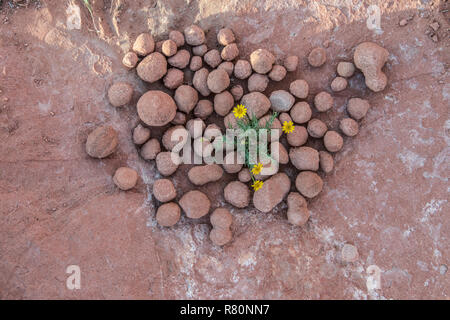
x,y
239,112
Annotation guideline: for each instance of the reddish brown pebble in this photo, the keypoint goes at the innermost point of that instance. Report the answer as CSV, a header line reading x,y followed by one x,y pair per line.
x,y
150,149
262,61
285,117
298,137
180,60
200,175
168,214
186,98
298,213
101,142
323,101
144,44
140,134
120,94
156,108
167,163
357,108
194,35
299,88
227,66
130,60
220,236
232,163
326,161
242,69
257,104
279,152
317,57
175,137
244,175
196,63
223,103
317,128
125,178
180,118
174,78
225,36
195,204
309,184
177,37
281,100
304,158
200,50
345,69
152,68
291,63
277,73
169,48
349,253
164,190
237,194
272,192
212,58
257,82
370,58
237,92
230,52
333,141
221,218
218,80
195,127
200,81
338,84
203,109
301,112
349,127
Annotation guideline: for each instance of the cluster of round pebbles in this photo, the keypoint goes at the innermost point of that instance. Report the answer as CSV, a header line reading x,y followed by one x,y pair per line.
x,y
212,90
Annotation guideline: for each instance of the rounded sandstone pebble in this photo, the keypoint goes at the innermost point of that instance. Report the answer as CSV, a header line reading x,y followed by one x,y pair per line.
x,y
120,94
301,112
304,158
164,190
186,98
237,194
345,69
156,108
257,104
257,82
101,142
338,84
150,149
285,117
180,118
203,109
317,128
168,214
218,80
227,66
291,63
195,127
357,108
174,78
317,57
298,213
196,63
130,59
175,136
144,44
180,60
212,58
237,92
309,184
232,163
242,69
272,192
200,81
177,37
230,52
125,178
333,141
221,218
169,48
277,73
281,155
370,58
326,161
298,137
202,148
262,60
195,204
244,175
200,175
152,68
220,236
165,163
349,253
194,35
323,101
200,50
281,100
299,88
349,127
223,103
140,134
225,36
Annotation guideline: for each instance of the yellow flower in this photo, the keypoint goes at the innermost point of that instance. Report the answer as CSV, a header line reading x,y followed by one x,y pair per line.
x,y
288,127
240,111
257,168
257,185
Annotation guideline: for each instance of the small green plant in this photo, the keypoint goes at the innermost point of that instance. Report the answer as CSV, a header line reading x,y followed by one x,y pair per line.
x,y
88,6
